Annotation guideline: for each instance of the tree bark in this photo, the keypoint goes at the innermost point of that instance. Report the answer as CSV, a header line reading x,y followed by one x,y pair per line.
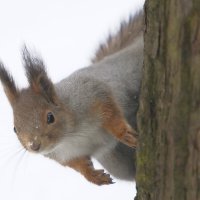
x,y
168,157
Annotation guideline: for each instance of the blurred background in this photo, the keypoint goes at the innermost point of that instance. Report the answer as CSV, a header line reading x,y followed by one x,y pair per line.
x,y
66,33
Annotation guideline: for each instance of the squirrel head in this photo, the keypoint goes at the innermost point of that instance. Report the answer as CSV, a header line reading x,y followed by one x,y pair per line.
x,y
40,118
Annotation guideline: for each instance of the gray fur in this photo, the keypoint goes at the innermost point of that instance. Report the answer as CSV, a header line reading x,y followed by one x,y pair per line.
x,y
119,74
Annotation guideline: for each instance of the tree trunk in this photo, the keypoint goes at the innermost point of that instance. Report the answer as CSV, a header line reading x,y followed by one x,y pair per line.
x,y
168,158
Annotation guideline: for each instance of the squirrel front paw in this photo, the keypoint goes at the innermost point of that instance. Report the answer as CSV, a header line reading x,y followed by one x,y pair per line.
x,y
85,166
98,177
122,131
129,137
114,122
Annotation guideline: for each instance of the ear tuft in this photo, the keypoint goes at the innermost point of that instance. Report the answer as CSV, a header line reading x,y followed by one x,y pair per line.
x,y
37,76
8,83
34,68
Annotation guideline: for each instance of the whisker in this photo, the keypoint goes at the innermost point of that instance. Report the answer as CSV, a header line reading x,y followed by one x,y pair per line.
x,y
17,165
13,154
6,151
9,157
25,160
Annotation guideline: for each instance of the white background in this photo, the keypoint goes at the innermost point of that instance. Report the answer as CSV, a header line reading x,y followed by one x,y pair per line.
x,y
66,34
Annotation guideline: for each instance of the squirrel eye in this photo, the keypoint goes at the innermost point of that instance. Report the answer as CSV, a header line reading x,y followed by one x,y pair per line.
x,y
50,118
15,130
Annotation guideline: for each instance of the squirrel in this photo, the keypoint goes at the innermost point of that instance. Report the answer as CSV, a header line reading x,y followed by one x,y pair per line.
x,y
90,114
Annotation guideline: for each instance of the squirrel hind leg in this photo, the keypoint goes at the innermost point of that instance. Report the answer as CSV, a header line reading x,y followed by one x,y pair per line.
x,y
114,122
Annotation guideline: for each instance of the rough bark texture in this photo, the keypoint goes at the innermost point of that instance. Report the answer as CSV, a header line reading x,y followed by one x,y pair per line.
x,y
168,160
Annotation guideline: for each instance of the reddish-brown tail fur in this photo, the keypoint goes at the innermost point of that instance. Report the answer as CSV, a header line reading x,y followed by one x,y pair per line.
x,y
128,31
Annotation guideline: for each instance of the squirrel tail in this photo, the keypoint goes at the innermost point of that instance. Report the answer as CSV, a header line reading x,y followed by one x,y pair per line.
x,y
128,31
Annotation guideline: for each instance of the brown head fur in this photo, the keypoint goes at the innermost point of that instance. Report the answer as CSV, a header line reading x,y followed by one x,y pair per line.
x,y
128,31
40,118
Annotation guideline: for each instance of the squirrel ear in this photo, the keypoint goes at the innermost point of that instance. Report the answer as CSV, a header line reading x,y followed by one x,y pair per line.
x,y
37,76
8,83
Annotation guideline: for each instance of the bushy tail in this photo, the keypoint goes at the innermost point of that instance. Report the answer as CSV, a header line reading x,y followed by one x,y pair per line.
x,y
129,30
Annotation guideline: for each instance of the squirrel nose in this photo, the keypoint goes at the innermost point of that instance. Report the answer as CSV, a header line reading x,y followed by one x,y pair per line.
x,y
35,146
